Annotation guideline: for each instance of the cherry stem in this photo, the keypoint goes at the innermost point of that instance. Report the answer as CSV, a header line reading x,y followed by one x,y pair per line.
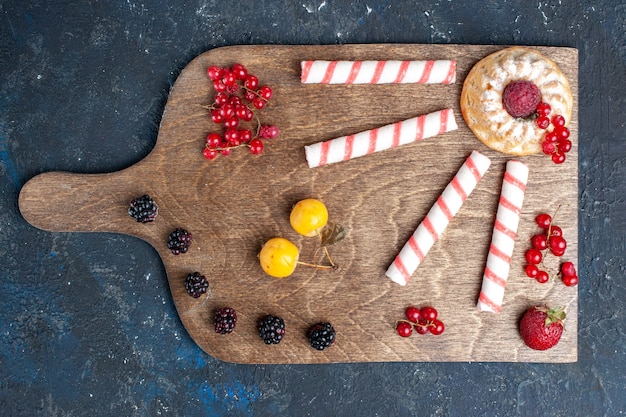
x,y
317,266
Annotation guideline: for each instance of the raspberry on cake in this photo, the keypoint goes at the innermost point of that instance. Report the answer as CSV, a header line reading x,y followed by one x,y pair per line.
x,y
502,93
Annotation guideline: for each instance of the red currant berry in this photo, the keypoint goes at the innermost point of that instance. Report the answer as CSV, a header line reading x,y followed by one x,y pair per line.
x,y
213,140
547,147
404,329
256,146
412,314
214,72
558,158
533,256
558,120
556,230
542,122
228,78
216,116
245,136
258,103
235,101
268,131
221,99
232,89
219,86
543,109
265,92
428,313
565,145
231,123
225,150
421,327
227,111
563,133
539,241
552,137
570,280
209,153
241,111
543,220
232,136
557,245
542,277
239,71
249,95
251,82
531,270
568,268
436,327
247,114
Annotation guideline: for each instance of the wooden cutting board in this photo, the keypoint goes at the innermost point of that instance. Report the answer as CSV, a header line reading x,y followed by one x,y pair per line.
x,y
233,204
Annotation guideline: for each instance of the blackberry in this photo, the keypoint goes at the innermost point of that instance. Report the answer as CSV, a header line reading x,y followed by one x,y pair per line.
x,y
196,284
271,329
179,241
143,209
225,320
321,335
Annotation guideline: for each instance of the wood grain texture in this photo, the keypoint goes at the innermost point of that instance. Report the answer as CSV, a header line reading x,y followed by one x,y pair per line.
x,y
233,204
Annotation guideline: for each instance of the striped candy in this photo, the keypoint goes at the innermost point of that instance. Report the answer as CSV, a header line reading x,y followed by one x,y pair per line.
x,y
378,72
503,237
437,219
375,140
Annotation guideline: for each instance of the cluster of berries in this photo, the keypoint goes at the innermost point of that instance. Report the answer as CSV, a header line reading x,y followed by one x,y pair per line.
x,y
237,95
522,99
423,320
556,142
272,328
550,240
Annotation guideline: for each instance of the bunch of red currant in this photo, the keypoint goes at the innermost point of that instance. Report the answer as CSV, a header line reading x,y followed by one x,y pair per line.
x,y
555,142
237,95
423,320
550,240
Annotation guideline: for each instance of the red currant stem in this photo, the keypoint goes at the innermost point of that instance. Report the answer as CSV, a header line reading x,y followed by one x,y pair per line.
x,y
549,233
228,147
255,93
258,125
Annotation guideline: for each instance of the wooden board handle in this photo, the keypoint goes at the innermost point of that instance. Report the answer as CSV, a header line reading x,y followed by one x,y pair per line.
x,y
68,202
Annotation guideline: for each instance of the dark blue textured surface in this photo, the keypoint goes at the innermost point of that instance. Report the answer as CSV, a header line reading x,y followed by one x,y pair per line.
x,y
87,323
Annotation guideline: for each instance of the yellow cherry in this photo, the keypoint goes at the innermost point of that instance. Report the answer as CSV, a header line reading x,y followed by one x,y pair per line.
x,y
308,217
279,257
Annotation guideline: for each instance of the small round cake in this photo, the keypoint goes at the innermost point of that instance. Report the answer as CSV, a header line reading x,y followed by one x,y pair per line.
x,y
499,119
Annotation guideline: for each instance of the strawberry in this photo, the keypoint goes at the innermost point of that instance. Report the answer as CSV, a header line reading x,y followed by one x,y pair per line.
x,y
541,327
520,98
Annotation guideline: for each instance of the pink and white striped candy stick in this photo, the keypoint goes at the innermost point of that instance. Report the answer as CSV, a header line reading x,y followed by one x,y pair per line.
x,y
378,72
503,237
375,140
437,219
